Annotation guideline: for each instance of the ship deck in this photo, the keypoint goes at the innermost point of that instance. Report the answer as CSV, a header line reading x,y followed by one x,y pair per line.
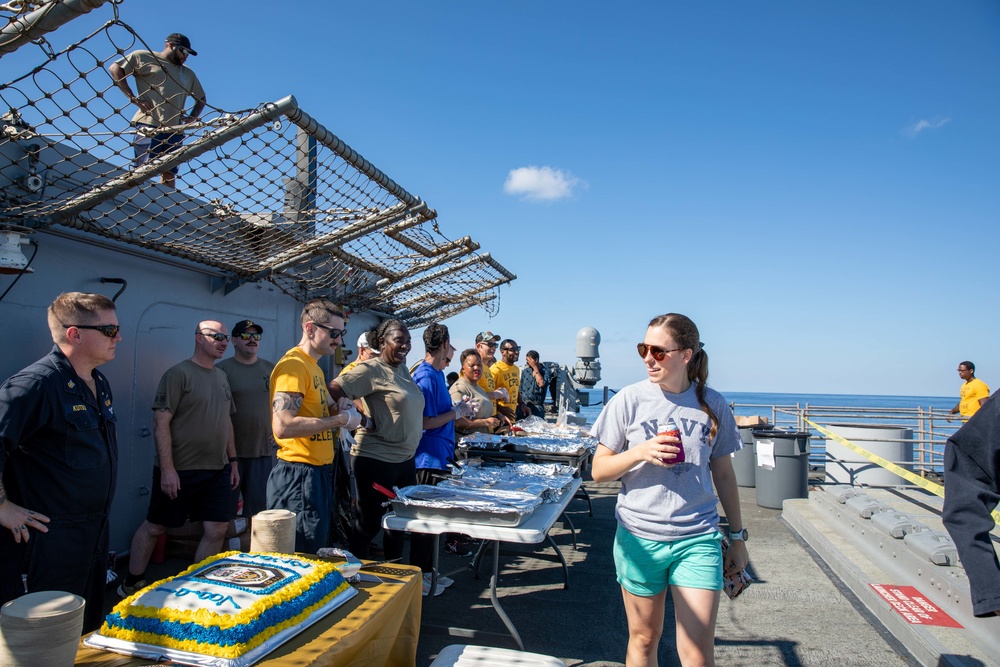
x,y
810,604
801,610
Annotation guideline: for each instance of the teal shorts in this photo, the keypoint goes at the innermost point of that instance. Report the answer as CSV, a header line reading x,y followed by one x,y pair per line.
x,y
647,567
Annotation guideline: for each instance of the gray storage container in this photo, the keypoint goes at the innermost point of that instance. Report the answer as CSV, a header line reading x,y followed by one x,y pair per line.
x,y
789,478
744,461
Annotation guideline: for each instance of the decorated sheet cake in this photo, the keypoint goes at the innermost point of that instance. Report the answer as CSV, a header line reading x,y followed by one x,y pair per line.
x,y
229,610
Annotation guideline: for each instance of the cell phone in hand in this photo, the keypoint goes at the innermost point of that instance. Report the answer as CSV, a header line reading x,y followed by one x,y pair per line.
x,y
734,584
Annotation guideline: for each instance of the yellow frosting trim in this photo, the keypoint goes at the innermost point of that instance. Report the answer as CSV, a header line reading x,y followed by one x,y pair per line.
x,y
232,651
208,618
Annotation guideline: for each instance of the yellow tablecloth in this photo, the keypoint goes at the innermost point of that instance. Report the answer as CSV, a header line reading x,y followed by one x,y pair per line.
x,y
378,627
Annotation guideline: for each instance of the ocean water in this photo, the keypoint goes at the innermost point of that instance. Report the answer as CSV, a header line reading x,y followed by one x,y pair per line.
x,y
762,404
759,403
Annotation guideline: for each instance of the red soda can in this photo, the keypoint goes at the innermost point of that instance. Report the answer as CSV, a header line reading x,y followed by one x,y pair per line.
x,y
671,429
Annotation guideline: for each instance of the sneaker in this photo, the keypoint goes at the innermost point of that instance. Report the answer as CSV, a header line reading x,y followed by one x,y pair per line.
x,y
438,590
458,548
125,591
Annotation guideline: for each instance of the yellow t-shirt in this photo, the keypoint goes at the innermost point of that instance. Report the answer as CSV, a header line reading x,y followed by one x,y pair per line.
x,y
507,376
486,382
298,373
969,395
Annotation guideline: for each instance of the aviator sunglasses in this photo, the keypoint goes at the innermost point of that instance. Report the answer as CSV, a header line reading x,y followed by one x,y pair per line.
x,y
109,330
658,352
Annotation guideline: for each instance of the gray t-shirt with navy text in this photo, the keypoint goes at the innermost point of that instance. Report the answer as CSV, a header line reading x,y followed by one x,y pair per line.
x,y
673,503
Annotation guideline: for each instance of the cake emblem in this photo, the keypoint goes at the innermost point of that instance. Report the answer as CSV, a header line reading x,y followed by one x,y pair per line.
x,y
246,576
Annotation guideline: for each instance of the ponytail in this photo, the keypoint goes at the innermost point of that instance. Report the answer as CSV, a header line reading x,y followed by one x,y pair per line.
x,y
685,333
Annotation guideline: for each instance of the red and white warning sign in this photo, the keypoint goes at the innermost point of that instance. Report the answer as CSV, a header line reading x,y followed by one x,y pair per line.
x,y
913,606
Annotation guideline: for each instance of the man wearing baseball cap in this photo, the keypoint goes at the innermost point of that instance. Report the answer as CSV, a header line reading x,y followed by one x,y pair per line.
x,y
486,346
249,379
163,84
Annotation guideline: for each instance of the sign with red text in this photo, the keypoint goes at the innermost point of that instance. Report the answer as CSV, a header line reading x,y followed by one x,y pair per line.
x,y
913,606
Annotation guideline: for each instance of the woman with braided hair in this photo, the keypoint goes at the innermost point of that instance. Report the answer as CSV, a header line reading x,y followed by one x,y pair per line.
x,y
385,453
668,535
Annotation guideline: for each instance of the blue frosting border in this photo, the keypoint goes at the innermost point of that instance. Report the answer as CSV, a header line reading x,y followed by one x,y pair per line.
x,y
238,634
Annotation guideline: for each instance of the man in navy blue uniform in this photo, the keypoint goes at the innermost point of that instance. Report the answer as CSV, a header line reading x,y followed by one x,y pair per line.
x,y
971,493
59,459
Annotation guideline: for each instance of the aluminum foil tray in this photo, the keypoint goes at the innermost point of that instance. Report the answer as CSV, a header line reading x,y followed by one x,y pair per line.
x,y
479,506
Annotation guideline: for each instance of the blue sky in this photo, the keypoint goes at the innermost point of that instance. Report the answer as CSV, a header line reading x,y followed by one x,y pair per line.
x,y
815,184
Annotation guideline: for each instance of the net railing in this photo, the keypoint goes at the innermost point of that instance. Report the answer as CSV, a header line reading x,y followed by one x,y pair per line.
x,y
264,193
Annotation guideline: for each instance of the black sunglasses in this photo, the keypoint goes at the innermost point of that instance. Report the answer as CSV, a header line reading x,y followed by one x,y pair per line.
x,y
217,337
334,332
511,349
658,352
109,330
247,335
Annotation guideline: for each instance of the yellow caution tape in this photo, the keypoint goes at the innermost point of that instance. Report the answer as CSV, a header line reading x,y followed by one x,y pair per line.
x,y
923,483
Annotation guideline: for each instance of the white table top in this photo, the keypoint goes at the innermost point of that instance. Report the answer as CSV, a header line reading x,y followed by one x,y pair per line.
x,y
532,531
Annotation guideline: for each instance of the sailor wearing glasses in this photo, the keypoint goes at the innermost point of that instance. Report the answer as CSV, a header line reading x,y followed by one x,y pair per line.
x,y
163,83
668,539
59,459
250,381
507,376
196,467
305,429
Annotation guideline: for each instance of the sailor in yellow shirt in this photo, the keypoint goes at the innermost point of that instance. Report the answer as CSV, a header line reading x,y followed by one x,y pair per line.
x,y
973,393
506,375
304,428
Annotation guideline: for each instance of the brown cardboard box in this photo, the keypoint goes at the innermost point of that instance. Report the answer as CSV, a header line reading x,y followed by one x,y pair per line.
x,y
181,548
755,420
193,530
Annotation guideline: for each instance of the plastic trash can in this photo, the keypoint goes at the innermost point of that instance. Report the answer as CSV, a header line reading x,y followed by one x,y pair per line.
x,y
744,461
789,476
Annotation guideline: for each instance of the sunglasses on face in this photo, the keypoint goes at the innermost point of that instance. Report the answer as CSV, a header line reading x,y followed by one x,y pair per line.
x,y
109,330
658,352
250,336
334,332
511,349
217,337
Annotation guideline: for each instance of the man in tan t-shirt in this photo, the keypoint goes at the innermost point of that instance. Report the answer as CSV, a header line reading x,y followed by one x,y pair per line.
x,y
196,469
163,83
486,345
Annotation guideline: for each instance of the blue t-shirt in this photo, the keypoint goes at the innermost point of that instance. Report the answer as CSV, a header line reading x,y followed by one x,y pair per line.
x,y
436,444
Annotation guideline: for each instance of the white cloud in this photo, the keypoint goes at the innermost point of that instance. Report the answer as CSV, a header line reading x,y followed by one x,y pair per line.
x,y
541,183
913,130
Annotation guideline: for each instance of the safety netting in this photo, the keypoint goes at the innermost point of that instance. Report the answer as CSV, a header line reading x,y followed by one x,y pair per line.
x,y
263,193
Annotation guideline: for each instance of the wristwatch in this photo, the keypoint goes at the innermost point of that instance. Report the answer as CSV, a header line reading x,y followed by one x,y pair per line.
x,y
739,536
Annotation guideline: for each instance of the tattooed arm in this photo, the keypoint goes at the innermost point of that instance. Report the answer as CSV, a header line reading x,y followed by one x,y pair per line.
x,y
287,423
19,520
